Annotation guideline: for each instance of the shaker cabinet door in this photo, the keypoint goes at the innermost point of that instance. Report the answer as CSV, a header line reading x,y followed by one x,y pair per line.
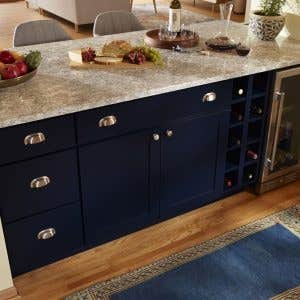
x,y
189,164
116,185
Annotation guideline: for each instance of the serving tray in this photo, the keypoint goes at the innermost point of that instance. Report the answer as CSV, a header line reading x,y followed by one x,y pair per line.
x,y
152,40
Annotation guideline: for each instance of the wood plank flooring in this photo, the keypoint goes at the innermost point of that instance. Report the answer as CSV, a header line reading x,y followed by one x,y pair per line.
x,y
153,243
13,13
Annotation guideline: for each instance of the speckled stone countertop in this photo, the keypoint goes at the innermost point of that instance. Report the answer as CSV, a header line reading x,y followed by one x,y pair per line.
x,y
59,90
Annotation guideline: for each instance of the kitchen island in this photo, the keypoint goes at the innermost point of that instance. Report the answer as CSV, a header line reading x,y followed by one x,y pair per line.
x,y
97,154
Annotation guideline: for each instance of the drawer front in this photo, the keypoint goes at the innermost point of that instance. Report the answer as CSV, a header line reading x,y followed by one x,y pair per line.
x,y
145,113
36,185
44,238
29,140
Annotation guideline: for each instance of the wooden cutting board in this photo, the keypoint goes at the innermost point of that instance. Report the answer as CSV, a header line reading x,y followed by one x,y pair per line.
x,y
122,65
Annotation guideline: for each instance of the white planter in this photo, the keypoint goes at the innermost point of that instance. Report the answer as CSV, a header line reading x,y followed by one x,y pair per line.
x,y
266,28
293,25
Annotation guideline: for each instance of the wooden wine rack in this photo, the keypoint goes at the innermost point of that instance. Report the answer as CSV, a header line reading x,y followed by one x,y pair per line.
x,y
249,131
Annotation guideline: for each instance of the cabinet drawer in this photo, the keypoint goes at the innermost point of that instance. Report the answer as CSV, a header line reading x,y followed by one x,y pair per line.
x,y
36,185
149,112
30,245
29,140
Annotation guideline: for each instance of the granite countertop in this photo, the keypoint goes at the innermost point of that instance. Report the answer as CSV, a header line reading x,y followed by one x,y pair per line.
x,y
59,90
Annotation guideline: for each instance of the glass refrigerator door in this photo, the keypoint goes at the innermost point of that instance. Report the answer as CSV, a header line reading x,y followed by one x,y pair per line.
x,y
286,148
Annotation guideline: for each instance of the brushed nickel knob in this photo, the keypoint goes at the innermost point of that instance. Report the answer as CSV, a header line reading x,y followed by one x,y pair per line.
x,y
34,138
39,182
241,92
46,234
156,137
169,133
209,97
108,121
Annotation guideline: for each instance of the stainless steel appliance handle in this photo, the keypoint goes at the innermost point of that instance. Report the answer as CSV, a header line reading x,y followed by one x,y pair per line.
x,y
281,97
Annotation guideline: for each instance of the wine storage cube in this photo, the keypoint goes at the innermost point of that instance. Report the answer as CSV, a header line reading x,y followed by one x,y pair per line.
x,y
250,174
240,88
254,130
249,107
230,180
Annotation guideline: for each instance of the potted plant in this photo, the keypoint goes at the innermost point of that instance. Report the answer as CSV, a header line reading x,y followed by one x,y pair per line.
x,y
267,22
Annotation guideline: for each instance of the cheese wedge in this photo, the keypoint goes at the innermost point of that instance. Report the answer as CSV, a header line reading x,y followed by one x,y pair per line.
x,y
75,55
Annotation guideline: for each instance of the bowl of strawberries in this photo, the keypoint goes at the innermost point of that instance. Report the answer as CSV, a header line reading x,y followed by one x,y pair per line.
x,y
16,68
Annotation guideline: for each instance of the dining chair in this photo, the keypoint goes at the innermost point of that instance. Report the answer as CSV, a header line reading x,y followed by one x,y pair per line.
x,y
116,22
39,32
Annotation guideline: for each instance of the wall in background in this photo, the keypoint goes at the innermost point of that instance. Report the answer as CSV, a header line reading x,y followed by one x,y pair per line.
x,y
5,274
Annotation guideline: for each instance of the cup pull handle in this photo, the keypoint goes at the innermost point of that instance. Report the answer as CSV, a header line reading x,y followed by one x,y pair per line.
x,y
39,182
34,138
209,97
108,121
46,234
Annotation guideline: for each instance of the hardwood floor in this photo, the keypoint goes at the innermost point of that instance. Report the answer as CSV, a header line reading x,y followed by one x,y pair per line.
x,y
13,13
153,243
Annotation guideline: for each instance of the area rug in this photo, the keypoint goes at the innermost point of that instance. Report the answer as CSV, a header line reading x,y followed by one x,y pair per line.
x,y
147,17
260,260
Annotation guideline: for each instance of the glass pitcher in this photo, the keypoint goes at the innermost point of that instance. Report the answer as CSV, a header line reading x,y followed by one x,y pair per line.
x,y
225,15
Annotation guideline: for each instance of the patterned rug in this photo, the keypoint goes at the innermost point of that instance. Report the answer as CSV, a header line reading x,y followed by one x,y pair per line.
x,y
270,246
145,14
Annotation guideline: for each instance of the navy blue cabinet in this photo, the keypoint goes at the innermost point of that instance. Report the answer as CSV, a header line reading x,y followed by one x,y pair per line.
x,y
190,165
116,185
44,238
38,185
80,180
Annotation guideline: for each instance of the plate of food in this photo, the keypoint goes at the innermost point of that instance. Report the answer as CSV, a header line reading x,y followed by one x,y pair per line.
x,y
16,68
118,53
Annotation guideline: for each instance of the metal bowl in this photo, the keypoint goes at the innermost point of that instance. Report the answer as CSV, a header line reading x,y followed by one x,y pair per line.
x,y
17,80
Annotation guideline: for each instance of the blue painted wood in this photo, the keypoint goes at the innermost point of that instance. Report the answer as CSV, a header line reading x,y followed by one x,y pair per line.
x,y
152,111
59,133
127,180
116,185
189,164
26,252
19,200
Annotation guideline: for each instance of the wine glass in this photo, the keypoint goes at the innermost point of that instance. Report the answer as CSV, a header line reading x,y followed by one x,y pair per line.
x,y
163,32
243,47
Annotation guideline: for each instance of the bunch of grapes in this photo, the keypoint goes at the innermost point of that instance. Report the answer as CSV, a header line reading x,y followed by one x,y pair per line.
x,y
152,55
88,54
136,56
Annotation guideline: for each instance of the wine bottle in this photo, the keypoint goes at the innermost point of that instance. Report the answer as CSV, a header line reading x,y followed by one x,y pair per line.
x,y
252,155
249,176
234,141
256,109
236,116
175,16
228,182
